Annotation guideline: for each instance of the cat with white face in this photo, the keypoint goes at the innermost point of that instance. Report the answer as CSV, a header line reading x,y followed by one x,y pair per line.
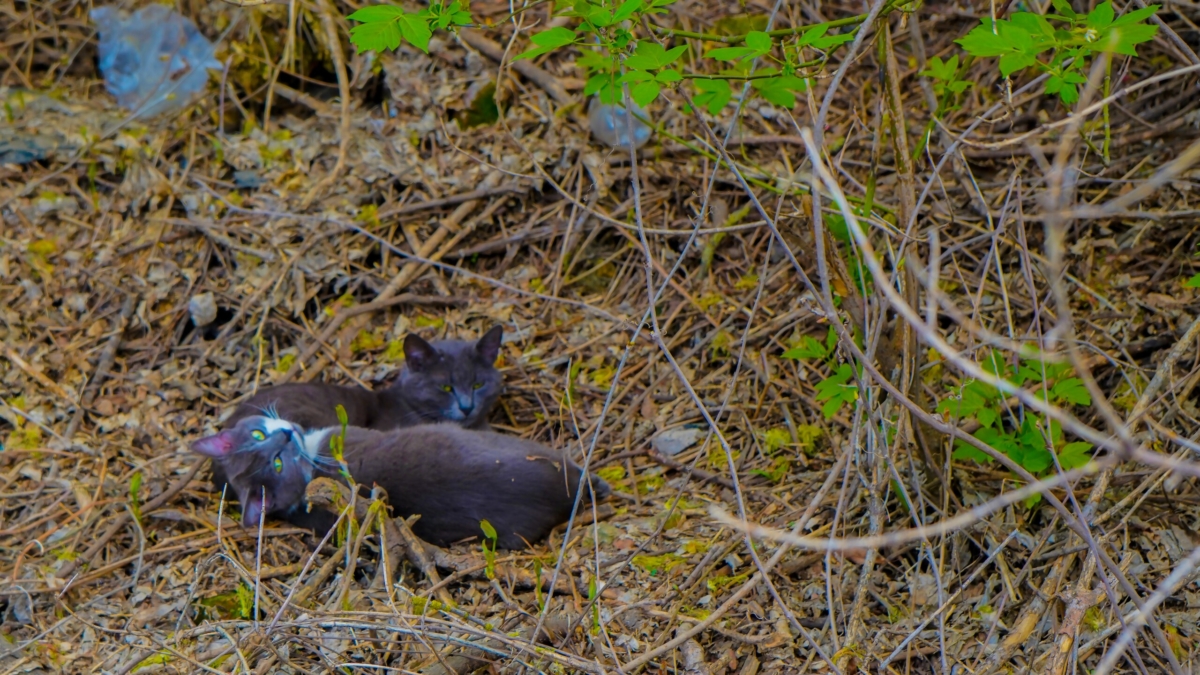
x,y
454,478
452,381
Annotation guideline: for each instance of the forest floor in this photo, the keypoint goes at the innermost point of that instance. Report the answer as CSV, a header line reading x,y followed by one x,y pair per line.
x,y
324,228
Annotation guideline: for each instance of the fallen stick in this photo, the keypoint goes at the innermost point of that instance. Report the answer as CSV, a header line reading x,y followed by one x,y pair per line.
x,y
491,49
102,366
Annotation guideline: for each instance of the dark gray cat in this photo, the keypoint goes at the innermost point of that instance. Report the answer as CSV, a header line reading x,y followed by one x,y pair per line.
x,y
453,477
447,381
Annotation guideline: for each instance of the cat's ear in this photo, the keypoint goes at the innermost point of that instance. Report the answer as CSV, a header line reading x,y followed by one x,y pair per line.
x,y
488,346
216,446
418,354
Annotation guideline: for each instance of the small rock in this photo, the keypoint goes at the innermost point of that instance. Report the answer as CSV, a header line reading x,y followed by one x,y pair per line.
x,y
203,309
674,441
191,391
247,179
20,609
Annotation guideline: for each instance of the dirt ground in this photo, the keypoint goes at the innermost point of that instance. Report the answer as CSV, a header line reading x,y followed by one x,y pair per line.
x,y
326,204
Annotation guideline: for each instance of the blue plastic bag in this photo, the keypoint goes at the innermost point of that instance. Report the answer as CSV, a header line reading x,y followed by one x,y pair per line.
x,y
153,61
610,124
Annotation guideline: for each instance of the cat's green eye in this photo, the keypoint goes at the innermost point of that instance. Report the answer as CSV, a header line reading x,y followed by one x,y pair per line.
x,y
447,388
278,465
258,435
478,385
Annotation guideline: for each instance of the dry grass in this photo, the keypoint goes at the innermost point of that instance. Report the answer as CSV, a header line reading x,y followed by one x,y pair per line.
x,y
372,216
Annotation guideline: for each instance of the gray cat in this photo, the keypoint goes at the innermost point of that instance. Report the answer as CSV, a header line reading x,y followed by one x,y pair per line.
x,y
452,381
447,381
453,477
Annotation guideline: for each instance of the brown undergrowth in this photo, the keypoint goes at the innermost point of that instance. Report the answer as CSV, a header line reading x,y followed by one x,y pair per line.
x,y
308,237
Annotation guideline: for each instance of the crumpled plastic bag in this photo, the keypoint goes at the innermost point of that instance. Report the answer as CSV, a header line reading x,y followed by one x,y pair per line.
x,y
610,124
153,61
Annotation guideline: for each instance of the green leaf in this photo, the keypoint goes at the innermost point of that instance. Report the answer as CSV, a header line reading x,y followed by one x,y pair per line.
x,y
758,41
982,42
415,30
811,35
830,41
592,59
1064,8
970,452
596,82
780,97
809,348
648,55
778,90
836,391
986,416
729,53
831,407
1074,455
966,404
1067,91
673,55
1008,38
1036,460
1073,391
644,93
635,76
375,37
1004,442
547,41
946,71
1101,17
669,75
1035,24
1123,40
377,13
712,94
627,9
817,39
601,18
488,530
135,495
1193,282
1011,63
555,37
1136,16
994,363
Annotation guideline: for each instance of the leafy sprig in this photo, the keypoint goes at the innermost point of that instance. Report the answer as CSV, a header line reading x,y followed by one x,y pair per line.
x,y
837,390
337,443
489,548
1029,440
385,27
1066,41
